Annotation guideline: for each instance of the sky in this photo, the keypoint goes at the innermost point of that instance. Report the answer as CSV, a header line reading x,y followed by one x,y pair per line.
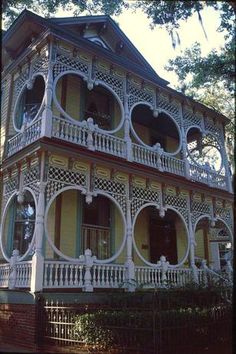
x,y
155,45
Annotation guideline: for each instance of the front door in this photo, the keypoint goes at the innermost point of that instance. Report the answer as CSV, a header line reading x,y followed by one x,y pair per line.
x,y
162,235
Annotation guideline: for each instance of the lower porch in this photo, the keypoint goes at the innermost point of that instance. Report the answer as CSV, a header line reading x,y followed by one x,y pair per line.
x,y
86,275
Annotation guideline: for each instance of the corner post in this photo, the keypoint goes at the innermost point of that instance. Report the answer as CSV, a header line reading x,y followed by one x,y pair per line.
x,y
46,126
192,243
88,287
13,272
38,258
130,268
129,154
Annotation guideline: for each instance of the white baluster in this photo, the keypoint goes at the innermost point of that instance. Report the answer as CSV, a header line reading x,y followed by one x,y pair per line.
x,y
61,283
66,282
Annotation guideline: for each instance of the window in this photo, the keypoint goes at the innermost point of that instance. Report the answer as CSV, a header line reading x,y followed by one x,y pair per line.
x,y
20,223
98,106
96,231
225,253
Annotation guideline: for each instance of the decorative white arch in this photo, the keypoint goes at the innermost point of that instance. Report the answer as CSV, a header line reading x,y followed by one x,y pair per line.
x,y
3,224
82,190
206,132
96,83
19,97
161,111
186,229
209,217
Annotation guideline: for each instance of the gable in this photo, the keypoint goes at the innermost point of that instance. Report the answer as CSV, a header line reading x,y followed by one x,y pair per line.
x,y
110,37
97,33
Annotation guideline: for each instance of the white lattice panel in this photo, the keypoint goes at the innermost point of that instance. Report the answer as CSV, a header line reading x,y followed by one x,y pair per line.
x,y
109,186
225,215
31,175
212,127
52,188
35,188
146,194
170,107
178,203
136,204
201,207
116,189
59,178
65,62
191,118
136,95
141,196
66,176
115,82
11,185
40,65
18,85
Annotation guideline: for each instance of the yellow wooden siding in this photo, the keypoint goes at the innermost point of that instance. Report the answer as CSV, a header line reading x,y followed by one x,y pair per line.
x,y
199,249
4,110
141,234
51,230
68,223
181,238
73,93
118,235
55,111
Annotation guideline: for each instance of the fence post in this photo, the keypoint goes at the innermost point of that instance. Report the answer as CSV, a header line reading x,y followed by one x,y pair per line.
x,y
91,128
38,259
164,267
130,275
88,265
205,269
13,273
229,270
159,151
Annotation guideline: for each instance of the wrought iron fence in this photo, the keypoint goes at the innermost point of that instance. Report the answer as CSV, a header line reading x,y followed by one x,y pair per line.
x,y
161,322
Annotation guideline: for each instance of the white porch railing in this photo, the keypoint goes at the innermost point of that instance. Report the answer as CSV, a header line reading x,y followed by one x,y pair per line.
x,y
108,276
28,136
207,176
4,275
23,274
87,275
59,274
109,144
173,165
163,162
153,277
17,275
69,132
88,136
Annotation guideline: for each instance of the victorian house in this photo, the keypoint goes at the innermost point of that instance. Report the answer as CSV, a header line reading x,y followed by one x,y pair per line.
x,y
110,178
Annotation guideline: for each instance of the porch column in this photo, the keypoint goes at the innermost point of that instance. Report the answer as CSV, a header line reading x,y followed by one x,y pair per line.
x,y
38,258
130,273
184,150
46,127
127,124
184,155
192,244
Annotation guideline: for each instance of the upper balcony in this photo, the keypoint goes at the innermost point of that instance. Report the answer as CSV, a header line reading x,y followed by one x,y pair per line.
x,y
109,113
